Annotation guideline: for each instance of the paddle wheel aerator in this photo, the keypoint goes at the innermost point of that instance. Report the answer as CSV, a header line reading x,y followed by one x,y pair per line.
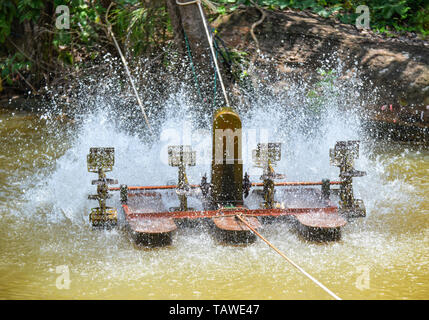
x,y
318,209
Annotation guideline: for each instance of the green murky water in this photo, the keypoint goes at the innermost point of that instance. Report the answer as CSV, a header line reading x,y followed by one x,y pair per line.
x,y
45,235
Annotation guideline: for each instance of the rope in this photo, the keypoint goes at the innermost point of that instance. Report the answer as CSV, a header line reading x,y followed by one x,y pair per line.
x,y
210,40
109,28
188,49
227,59
239,217
192,66
215,84
214,89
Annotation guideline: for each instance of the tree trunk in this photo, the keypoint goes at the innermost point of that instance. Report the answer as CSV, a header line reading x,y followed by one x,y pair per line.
x,y
191,38
176,23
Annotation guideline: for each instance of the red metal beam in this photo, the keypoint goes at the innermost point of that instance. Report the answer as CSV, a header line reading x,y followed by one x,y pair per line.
x,y
225,212
293,183
135,188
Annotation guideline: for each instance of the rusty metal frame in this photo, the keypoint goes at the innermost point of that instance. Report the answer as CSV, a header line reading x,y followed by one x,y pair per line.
x,y
275,212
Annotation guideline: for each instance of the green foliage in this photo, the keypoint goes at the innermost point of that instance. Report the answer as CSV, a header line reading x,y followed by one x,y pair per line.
x,y
239,65
140,26
10,67
403,15
7,14
385,15
13,64
143,27
146,27
22,10
29,9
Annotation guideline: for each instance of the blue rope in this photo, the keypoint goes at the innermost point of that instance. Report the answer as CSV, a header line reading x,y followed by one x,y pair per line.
x,y
192,66
195,74
215,82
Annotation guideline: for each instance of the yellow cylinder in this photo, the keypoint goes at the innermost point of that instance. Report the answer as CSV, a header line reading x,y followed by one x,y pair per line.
x,y
227,163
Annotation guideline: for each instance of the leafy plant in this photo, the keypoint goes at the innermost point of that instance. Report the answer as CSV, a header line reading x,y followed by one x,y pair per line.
x,y
143,27
29,9
11,66
7,14
398,15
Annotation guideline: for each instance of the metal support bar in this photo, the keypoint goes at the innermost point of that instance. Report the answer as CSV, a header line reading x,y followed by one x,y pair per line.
x,y
343,156
326,189
182,156
254,184
100,160
124,193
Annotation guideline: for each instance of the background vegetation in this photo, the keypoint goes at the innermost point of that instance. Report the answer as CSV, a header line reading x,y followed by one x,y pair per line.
x,y
393,15
35,54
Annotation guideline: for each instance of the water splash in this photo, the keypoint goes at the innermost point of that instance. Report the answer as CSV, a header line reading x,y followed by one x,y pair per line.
x,y
306,124
51,218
